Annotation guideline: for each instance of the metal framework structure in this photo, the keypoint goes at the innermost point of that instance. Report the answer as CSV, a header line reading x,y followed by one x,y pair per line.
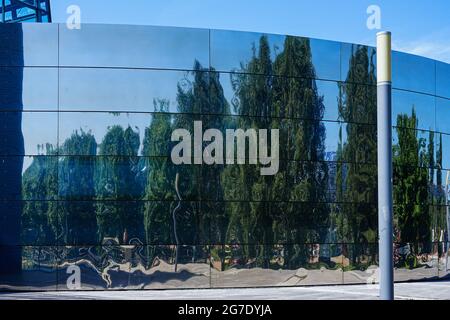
x,y
25,11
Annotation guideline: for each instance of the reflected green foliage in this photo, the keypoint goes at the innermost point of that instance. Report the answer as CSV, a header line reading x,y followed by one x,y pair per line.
x,y
39,182
271,222
411,191
357,184
76,216
124,188
115,180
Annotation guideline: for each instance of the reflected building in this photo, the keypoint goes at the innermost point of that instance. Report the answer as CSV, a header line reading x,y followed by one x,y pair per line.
x,y
89,187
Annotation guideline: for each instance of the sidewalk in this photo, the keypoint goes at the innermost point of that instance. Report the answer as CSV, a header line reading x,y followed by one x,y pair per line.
x,y
408,291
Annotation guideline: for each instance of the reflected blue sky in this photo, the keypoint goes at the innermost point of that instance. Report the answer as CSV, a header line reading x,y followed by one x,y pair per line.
x,y
418,27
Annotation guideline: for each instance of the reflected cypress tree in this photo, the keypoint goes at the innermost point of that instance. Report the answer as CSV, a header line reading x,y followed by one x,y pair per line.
x,y
293,223
306,181
252,222
411,188
159,183
118,216
358,183
192,98
214,213
76,187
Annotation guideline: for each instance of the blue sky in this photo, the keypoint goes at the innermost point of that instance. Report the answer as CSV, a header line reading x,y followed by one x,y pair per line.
x,y
419,26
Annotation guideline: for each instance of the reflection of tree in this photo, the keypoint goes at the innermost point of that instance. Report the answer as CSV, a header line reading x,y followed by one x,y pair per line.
x,y
76,187
411,188
306,181
356,181
296,97
39,182
117,215
158,189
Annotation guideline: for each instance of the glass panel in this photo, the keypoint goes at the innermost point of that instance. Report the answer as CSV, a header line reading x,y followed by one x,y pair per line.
x,y
29,44
412,188
443,150
353,182
15,126
133,46
361,144
360,262
234,50
243,182
28,178
86,177
118,220
40,223
443,115
40,89
326,58
40,178
358,103
36,268
24,89
237,51
160,180
357,223
191,223
268,222
335,139
413,147
413,73
443,79
419,108
275,265
329,92
132,90
114,133
169,267
358,64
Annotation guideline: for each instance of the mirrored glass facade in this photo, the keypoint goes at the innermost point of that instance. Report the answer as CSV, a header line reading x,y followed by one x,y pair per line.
x,y
91,199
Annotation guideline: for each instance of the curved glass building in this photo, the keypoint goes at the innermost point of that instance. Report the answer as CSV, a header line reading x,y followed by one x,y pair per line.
x,y
91,198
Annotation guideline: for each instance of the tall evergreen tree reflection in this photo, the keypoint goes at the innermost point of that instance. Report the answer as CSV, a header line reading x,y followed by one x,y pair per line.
x,y
356,178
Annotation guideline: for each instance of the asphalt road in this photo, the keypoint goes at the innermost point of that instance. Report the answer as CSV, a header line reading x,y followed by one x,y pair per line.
x,y
409,291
